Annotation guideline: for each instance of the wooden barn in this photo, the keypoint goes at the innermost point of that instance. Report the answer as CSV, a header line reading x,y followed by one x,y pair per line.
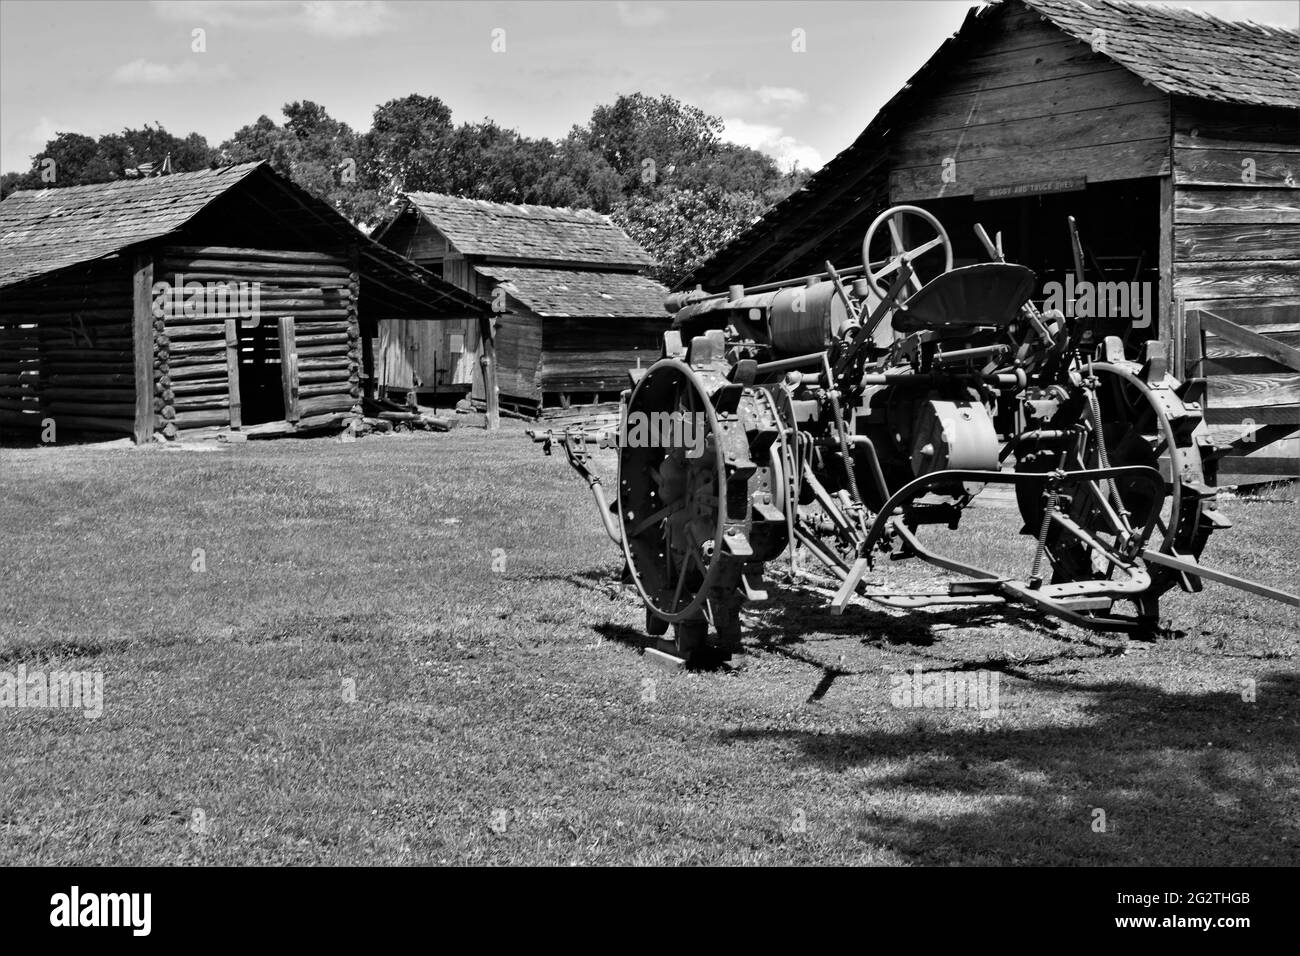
x,y
188,303
1171,136
573,309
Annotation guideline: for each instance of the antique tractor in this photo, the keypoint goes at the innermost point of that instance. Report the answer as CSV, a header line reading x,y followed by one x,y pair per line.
x,y
836,414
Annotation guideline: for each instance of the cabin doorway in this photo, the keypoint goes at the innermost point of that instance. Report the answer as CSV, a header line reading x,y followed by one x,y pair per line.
x,y
268,372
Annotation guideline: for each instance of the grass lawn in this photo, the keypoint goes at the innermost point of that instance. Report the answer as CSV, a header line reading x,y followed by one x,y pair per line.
x,y
349,680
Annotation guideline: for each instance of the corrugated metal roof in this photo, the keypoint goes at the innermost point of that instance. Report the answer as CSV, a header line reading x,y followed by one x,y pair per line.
x,y
508,230
557,293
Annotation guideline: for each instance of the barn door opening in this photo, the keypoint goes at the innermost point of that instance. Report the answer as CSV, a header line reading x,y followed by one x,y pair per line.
x,y
268,372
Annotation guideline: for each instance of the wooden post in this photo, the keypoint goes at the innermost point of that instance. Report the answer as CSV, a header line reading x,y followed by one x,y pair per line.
x,y
232,372
1166,284
289,368
489,360
1177,340
143,335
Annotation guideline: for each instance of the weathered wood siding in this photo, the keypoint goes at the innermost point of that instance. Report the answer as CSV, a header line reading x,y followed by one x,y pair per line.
x,y
519,358
418,353
1237,254
67,352
594,355
1030,104
422,355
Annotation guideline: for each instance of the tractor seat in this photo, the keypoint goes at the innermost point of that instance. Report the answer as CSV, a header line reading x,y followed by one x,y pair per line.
x,y
986,294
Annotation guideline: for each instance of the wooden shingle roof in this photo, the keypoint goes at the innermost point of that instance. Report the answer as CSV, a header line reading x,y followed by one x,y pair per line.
x,y
1187,52
43,230
559,293
476,227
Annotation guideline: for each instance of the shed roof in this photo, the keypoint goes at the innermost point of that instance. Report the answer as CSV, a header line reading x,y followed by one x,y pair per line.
x,y
556,293
1233,61
1187,52
476,227
44,231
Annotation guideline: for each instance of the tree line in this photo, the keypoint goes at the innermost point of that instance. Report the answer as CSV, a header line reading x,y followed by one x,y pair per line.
x,y
657,166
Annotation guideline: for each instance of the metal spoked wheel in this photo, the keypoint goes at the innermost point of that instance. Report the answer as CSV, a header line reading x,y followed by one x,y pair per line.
x,y
697,513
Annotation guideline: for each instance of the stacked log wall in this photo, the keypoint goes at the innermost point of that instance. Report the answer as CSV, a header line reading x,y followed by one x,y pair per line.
x,y
66,352
318,290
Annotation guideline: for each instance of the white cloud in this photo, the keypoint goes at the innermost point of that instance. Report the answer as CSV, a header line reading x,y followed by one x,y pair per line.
x,y
327,18
143,72
786,96
353,18
781,99
785,149
639,14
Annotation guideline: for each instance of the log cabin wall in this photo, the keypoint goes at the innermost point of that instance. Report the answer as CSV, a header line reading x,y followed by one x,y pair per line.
x,y
297,359
1236,224
67,354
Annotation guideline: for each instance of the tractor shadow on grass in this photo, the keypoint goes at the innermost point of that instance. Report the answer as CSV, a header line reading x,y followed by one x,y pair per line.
x,y
1182,779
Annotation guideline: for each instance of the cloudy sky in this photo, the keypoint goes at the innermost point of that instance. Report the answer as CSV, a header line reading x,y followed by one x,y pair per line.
x,y
98,66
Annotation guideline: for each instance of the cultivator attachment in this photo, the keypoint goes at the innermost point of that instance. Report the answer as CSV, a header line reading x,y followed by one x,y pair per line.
x,y
834,415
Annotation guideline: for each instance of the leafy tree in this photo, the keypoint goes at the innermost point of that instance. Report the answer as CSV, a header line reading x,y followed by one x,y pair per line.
x,y
79,159
153,144
643,137
319,153
407,145
681,228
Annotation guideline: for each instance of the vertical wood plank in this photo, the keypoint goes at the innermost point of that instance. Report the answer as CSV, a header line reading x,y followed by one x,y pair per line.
x,y
143,335
1177,339
232,373
1194,344
1165,318
490,373
289,368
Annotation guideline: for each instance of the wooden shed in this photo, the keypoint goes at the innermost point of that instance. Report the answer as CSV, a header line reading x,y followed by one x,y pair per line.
x,y
1173,138
222,299
573,308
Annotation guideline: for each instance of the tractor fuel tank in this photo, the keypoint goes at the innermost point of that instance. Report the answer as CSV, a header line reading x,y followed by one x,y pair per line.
x,y
805,319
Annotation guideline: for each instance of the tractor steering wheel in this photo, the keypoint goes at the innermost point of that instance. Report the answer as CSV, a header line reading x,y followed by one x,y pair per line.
x,y
879,269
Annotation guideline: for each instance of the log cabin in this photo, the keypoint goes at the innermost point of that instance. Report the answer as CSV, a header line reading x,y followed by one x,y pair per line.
x,y
189,304
573,309
1173,139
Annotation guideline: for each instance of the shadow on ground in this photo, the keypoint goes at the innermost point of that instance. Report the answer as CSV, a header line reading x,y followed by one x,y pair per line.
x,y
1192,779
